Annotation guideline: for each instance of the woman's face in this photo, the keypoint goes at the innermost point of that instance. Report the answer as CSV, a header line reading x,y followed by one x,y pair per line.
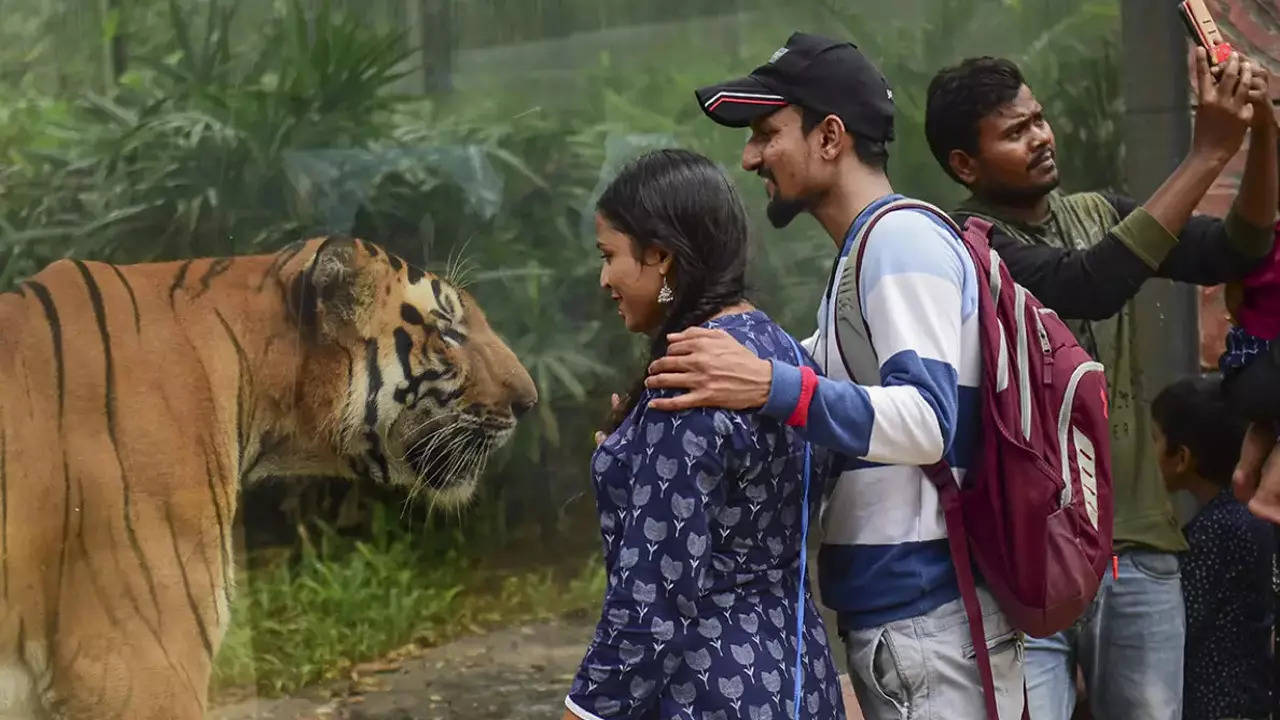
x,y
633,282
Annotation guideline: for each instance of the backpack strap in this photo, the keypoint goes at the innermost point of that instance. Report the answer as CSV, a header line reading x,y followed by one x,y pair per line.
x,y
958,542
858,354
804,544
939,473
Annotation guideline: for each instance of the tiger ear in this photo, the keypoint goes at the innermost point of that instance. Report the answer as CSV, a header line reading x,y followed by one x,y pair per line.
x,y
323,297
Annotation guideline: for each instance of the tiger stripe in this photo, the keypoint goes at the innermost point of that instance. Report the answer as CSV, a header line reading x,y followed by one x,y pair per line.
x,y
436,291
55,327
216,268
94,579
100,317
178,280
133,299
222,526
243,385
371,408
281,259
62,553
186,584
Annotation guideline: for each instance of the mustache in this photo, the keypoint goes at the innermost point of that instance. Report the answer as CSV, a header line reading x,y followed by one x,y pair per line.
x,y
1041,156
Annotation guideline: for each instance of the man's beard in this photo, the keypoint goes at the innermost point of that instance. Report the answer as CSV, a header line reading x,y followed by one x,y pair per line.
x,y
1019,196
782,210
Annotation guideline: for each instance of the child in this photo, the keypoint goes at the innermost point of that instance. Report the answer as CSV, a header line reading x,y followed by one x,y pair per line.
x,y
1250,369
1226,574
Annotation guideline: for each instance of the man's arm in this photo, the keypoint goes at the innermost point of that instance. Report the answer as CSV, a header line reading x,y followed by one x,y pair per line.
x,y
1212,250
1091,284
1208,252
912,290
913,293
1162,238
1224,113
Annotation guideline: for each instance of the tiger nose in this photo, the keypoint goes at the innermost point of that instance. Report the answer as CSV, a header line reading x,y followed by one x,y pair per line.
x,y
521,407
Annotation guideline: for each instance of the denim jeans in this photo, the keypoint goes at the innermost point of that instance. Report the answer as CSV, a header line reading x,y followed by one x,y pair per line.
x,y
923,668
1129,645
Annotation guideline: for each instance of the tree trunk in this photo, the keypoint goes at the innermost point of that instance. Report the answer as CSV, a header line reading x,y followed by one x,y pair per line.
x,y
114,52
438,42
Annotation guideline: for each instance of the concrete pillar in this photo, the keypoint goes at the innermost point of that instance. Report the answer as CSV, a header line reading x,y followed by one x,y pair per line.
x,y
1157,133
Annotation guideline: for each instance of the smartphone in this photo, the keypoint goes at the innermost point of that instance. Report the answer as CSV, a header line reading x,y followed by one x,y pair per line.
x,y
1205,32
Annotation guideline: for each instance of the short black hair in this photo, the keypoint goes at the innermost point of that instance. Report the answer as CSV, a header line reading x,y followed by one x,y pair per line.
x,y
1193,413
959,97
873,153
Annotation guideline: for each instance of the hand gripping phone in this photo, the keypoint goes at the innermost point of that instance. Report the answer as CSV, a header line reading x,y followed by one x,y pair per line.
x,y
1205,32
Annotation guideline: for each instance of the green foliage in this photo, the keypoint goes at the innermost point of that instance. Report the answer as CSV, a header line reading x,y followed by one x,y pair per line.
x,y
346,602
238,126
1066,50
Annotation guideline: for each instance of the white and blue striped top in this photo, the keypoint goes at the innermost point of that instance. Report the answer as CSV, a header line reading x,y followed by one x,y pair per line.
x,y
884,553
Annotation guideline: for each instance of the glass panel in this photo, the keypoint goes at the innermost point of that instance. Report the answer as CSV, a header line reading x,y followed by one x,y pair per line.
x,y
471,138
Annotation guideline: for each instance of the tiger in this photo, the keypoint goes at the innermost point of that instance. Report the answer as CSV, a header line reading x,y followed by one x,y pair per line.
x,y
137,400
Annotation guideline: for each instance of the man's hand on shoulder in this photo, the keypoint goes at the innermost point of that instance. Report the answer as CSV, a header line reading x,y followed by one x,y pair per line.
x,y
713,369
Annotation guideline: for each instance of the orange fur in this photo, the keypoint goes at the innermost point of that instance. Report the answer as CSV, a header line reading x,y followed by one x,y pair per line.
x,y
136,401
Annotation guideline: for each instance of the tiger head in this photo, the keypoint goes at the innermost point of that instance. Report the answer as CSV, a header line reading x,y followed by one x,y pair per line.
x,y
430,389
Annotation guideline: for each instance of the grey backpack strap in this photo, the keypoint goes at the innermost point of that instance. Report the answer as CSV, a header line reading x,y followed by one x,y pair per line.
x,y
852,335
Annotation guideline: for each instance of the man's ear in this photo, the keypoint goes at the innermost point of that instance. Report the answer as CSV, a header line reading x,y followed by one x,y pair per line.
x,y
832,137
963,165
322,297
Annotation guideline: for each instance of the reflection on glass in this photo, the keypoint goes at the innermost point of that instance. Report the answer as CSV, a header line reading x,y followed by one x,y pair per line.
x,y
471,137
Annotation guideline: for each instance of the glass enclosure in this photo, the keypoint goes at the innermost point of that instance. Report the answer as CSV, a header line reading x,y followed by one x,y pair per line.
x,y
471,137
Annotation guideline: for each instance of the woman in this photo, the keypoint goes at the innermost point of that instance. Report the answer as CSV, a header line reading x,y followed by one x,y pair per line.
x,y
700,511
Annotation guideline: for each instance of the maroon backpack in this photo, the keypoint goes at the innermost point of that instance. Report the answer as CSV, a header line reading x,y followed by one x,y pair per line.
x,y
1034,513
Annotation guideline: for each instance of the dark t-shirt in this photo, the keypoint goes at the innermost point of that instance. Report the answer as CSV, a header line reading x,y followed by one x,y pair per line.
x,y
1226,579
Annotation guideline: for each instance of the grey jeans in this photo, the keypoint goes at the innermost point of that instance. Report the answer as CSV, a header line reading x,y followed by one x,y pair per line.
x,y
923,668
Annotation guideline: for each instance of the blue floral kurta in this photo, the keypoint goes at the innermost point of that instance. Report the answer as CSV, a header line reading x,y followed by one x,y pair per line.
x,y
700,516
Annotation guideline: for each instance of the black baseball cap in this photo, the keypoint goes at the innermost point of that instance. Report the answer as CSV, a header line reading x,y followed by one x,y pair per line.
x,y
824,75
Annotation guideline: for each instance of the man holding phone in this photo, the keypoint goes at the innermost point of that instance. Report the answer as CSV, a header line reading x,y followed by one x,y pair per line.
x,y
1085,256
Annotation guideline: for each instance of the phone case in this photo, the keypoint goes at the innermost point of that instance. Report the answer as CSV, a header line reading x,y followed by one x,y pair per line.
x,y
1195,15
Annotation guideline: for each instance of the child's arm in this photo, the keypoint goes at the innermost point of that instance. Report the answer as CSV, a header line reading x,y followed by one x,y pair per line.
x,y
1254,391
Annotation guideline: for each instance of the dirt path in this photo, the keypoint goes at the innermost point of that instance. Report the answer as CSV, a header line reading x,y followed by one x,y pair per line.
x,y
512,674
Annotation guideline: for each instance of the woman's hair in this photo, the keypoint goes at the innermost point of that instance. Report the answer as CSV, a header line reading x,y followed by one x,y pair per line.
x,y
680,202
1193,413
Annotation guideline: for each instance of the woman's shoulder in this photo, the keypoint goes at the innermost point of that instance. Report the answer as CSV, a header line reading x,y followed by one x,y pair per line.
x,y
698,418
759,334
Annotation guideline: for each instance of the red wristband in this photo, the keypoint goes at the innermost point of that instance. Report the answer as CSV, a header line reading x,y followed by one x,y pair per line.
x,y
808,383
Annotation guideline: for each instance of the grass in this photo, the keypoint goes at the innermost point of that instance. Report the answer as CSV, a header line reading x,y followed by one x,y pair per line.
x,y
347,602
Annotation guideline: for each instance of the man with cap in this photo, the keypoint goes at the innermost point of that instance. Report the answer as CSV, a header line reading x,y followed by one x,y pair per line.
x,y
821,118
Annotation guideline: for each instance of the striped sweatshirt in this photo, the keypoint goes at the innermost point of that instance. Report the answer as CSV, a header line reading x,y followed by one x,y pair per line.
x,y
884,554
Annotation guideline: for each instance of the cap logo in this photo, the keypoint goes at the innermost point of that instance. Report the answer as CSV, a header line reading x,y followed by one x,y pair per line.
x,y
889,93
777,54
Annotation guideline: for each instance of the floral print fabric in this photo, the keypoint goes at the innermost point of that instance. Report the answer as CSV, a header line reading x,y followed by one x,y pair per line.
x,y
700,518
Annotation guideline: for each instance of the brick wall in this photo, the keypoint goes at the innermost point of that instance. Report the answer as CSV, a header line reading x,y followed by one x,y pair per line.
x,y
1252,26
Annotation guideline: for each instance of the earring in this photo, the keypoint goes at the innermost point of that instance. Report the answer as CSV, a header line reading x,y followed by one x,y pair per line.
x,y
665,295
